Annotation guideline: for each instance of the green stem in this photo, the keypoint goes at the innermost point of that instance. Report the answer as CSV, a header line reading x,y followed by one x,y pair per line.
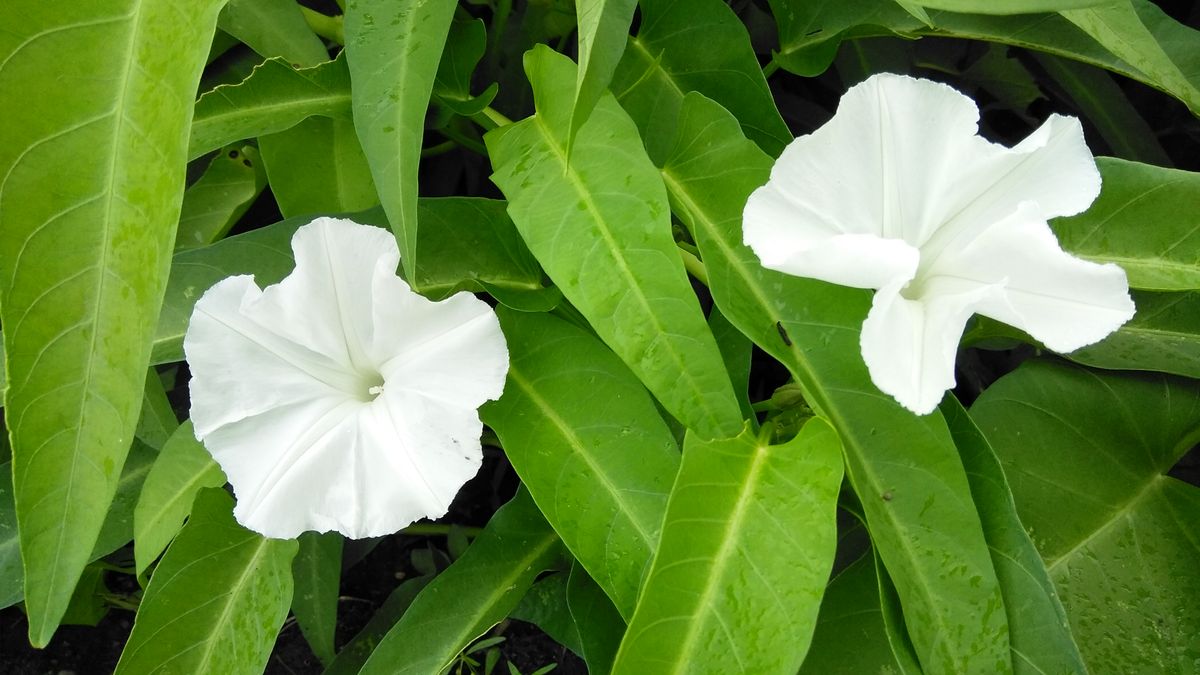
x,y
439,149
489,118
438,530
693,265
462,139
328,27
770,68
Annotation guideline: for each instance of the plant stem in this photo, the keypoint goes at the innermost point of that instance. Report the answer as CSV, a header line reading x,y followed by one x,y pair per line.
x,y
328,27
693,265
439,149
770,68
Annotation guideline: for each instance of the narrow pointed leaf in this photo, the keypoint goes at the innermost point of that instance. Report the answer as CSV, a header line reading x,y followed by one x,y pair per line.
x,y
905,468
273,28
1147,220
215,202
393,50
694,45
236,586
747,547
1140,33
11,577
1041,638
1118,535
182,469
317,573
603,27
1009,6
600,474
108,125
599,623
316,167
274,97
356,652
601,229
472,595
850,634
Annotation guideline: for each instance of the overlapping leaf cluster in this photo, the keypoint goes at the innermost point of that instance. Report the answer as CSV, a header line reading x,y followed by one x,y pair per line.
x,y
675,516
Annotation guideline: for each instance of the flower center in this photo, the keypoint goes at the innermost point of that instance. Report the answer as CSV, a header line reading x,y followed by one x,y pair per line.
x,y
371,387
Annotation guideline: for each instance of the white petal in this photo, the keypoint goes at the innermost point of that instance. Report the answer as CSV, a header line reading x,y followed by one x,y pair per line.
x,y
879,168
909,346
362,469
242,367
326,303
1064,302
283,381
1052,167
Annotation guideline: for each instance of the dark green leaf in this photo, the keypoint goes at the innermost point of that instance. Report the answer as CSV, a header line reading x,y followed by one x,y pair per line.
x,y
1163,336
180,471
11,574
601,229
274,97
1008,6
464,47
87,608
1147,220
106,127
393,50
211,205
850,636
545,606
904,468
694,45
603,28
600,474
273,28
157,420
1040,639
747,547
317,571
599,623
472,595
316,167
236,587
1086,454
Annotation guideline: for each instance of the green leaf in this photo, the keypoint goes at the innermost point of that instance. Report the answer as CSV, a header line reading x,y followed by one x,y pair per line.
x,y
473,245
1137,31
1147,220
601,229
181,470
1102,102
1163,336
1086,454
215,202
473,594
317,572
393,50
545,606
904,468
1008,6
318,166
11,574
737,351
702,46
116,531
274,97
809,33
217,599
107,126
599,474
603,28
87,608
599,623
273,28
356,652
1040,639
850,636
157,421
747,547
452,85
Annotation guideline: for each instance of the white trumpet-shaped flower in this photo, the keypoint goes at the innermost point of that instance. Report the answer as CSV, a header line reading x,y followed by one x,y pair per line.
x,y
899,193
339,399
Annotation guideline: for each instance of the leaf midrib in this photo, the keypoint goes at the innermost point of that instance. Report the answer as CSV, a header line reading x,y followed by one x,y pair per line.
x,y
699,396
815,394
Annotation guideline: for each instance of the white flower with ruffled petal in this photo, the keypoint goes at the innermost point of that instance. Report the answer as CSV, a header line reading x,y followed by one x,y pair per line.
x,y
899,193
339,399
